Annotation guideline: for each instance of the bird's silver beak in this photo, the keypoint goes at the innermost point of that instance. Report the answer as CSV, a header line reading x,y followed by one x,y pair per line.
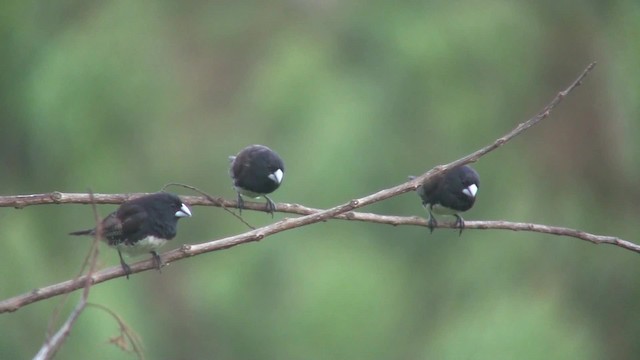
x,y
183,212
470,190
277,176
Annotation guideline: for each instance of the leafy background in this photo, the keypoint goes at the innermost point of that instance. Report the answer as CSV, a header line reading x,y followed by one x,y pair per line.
x,y
121,96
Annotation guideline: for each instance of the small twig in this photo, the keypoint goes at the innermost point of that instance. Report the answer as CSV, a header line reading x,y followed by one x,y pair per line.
x,y
127,334
53,343
218,202
87,262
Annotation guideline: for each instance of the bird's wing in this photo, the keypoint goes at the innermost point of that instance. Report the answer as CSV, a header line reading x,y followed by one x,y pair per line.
x,y
112,228
428,190
239,168
132,219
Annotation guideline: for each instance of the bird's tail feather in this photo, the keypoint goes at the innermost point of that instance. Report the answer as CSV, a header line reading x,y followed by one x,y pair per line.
x,y
82,232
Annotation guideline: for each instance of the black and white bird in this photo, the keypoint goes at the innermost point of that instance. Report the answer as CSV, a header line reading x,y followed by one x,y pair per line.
x,y
141,225
256,171
450,194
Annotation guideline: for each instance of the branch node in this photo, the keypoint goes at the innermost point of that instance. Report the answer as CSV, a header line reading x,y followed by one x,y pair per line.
x,y
56,196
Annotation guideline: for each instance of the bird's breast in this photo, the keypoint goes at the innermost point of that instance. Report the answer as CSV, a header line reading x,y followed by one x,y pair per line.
x,y
143,246
249,193
443,210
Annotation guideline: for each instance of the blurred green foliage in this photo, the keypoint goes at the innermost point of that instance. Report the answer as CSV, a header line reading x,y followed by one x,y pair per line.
x,y
120,96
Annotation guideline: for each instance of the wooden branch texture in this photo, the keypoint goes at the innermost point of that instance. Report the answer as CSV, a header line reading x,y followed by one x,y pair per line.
x,y
309,216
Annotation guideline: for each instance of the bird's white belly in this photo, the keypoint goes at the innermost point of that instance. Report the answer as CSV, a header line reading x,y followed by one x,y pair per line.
x,y
441,210
248,193
144,246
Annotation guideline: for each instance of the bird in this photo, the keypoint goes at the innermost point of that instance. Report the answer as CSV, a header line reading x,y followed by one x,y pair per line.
x,y
450,194
256,171
141,225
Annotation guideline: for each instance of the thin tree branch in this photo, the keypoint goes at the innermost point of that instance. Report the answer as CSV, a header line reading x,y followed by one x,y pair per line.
x,y
53,343
473,157
218,202
185,251
345,210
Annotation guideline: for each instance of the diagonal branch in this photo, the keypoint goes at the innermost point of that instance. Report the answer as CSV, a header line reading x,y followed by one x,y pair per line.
x,y
21,201
185,251
343,210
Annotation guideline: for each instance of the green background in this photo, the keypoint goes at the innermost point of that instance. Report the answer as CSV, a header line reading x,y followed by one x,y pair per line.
x,y
125,96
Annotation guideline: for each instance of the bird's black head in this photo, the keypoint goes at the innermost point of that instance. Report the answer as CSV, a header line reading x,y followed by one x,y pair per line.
x,y
257,170
453,192
163,204
161,212
462,183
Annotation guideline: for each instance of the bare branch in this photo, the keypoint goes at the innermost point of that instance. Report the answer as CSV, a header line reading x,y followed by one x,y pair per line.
x,y
53,343
185,251
473,157
343,211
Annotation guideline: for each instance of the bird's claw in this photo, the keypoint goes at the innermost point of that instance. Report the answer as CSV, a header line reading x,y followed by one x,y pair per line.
x,y
157,260
459,224
125,267
271,206
240,203
431,223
